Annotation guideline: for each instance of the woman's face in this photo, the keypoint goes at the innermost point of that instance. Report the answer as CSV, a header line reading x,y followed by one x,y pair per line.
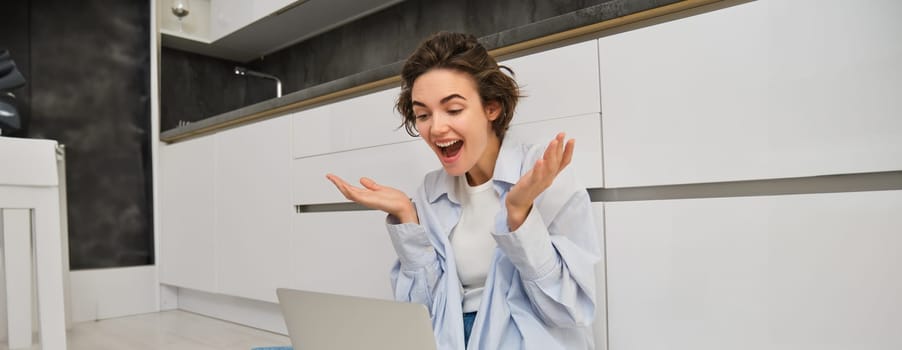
x,y
451,119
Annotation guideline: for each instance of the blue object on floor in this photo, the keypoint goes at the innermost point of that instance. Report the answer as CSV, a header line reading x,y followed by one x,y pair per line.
x,y
274,348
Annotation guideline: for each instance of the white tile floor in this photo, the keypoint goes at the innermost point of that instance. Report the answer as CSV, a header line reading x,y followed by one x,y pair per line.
x,y
167,330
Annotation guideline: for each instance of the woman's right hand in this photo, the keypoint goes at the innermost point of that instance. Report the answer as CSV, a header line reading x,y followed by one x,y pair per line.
x,y
375,196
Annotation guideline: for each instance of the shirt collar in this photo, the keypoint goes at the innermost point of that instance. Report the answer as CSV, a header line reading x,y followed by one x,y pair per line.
x,y
508,168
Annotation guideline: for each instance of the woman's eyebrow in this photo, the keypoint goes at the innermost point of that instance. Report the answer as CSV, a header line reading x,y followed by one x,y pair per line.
x,y
443,101
450,97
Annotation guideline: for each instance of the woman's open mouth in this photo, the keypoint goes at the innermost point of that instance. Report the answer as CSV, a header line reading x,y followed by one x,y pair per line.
x,y
449,150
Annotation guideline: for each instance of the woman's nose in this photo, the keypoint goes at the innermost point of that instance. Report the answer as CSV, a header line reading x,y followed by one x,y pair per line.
x,y
440,123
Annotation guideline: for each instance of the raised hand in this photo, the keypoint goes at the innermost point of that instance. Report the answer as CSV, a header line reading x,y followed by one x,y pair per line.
x,y
375,196
521,197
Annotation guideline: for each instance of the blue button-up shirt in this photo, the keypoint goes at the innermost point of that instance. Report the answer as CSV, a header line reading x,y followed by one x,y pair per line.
x,y
540,288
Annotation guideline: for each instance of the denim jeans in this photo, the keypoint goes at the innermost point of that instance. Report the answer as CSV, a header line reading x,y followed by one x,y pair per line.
x,y
469,318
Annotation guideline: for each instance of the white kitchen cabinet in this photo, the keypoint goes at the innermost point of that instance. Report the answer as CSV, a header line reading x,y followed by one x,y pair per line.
x,y
187,214
403,165
364,121
400,165
243,31
560,82
195,26
346,253
369,120
227,16
816,271
311,132
253,209
763,89
601,315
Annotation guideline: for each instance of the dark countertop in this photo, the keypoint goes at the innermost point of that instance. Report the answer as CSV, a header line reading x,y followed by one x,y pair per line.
x,y
388,74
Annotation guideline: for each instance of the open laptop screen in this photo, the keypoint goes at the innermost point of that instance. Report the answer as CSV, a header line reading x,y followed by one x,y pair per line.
x,y
320,321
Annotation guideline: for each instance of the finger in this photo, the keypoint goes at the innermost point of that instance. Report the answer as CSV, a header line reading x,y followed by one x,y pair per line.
x,y
370,184
337,181
346,189
553,159
558,151
550,152
568,154
562,137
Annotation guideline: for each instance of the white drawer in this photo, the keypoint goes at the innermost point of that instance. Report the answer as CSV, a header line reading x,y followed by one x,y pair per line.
x,y
764,89
359,122
800,271
561,82
370,120
601,315
346,253
403,165
400,165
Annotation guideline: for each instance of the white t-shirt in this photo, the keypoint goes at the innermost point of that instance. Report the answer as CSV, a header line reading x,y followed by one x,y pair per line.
x,y
472,239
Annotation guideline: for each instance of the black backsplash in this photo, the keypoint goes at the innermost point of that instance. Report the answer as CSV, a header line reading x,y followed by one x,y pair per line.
x,y
14,37
195,87
88,68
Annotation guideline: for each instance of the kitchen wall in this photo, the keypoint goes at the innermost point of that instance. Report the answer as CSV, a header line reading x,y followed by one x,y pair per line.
x,y
14,37
194,87
382,38
87,66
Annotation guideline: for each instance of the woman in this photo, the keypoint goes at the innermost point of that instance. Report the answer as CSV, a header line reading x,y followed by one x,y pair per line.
x,y
500,244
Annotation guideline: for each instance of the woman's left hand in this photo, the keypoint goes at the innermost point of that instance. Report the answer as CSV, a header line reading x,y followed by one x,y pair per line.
x,y
521,197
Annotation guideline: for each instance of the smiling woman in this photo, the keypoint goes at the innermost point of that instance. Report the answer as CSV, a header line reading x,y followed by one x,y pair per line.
x,y
500,244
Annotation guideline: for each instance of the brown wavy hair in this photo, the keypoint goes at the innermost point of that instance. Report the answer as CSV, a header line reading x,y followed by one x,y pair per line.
x,y
460,52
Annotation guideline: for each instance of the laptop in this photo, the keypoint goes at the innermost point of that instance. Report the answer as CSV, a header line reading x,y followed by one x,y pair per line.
x,y
321,321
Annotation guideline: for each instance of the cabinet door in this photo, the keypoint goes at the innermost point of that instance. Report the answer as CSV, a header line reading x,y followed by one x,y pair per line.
x,y
187,210
764,89
560,82
403,165
359,122
346,253
400,165
819,271
254,209
228,16
600,325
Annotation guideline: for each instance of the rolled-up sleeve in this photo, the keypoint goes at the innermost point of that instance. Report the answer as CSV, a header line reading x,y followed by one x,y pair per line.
x,y
529,248
555,254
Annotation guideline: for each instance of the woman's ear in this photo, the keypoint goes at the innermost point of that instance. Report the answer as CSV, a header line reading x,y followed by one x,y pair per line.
x,y
493,110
